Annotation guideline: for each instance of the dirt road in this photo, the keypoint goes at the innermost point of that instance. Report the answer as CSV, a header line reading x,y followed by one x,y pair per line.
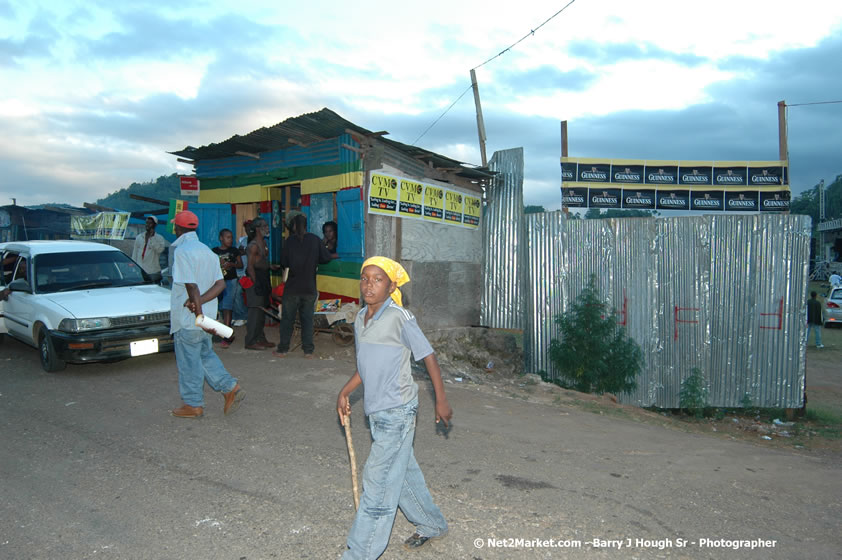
x,y
93,466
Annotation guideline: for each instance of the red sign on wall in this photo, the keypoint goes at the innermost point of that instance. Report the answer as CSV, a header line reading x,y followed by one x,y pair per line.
x,y
189,186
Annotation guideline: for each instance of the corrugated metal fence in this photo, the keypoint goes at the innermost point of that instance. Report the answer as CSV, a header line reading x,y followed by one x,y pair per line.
x,y
725,294
504,242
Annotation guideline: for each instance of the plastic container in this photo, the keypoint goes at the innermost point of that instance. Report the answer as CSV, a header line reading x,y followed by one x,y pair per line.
x,y
214,326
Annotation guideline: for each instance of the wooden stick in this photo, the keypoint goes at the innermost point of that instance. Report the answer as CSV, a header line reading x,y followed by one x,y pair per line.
x,y
346,420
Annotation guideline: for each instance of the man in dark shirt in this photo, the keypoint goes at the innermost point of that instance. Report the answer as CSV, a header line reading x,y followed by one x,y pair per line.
x,y
814,319
303,253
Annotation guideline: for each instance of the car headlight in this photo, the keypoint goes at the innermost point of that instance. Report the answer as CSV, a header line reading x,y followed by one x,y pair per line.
x,y
81,325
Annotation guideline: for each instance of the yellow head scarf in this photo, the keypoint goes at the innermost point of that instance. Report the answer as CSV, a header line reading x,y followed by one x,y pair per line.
x,y
393,270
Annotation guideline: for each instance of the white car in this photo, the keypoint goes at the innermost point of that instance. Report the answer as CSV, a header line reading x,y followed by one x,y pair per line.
x,y
833,307
78,301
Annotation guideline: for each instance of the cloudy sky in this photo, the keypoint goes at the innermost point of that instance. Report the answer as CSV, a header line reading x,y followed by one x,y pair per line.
x,y
95,93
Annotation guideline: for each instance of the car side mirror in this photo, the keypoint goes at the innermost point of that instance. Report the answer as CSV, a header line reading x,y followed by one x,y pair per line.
x,y
20,285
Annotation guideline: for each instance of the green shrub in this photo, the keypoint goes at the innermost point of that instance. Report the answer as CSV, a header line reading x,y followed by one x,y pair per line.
x,y
693,396
594,354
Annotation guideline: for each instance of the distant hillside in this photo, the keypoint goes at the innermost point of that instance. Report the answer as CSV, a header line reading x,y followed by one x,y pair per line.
x,y
163,188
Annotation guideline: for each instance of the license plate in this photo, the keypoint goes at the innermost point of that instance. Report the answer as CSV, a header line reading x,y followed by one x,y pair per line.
x,y
142,347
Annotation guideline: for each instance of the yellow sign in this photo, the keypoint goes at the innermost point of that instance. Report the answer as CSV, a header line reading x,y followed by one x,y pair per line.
x,y
453,207
412,196
407,198
433,203
473,209
383,194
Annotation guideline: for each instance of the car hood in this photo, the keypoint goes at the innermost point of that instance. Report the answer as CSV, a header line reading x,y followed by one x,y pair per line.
x,y
113,302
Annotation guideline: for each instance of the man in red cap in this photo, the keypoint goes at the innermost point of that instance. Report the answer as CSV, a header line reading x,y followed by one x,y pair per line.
x,y
197,281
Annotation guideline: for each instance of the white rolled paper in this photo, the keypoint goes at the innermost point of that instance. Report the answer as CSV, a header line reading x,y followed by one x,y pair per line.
x,y
214,326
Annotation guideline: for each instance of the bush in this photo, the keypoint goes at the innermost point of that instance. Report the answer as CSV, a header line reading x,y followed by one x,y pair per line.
x,y
694,394
594,354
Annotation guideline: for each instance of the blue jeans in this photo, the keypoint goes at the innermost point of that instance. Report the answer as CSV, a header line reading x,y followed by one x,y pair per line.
x,y
228,294
818,330
304,307
392,479
197,363
240,310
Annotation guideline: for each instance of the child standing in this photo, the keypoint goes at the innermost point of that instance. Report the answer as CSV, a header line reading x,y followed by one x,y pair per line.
x,y
229,262
385,334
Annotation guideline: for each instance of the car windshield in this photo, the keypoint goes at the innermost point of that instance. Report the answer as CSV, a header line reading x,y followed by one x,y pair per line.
x,y
836,295
61,272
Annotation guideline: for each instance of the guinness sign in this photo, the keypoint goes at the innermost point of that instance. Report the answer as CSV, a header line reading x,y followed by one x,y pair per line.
x,y
673,200
774,201
745,201
639,200
604,198
574,198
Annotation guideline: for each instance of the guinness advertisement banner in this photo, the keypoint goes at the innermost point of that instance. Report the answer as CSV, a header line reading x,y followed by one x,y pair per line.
x,y
626,174
574,198
639,200
745,201
604,198
673,200
695,175
750,186
774,202
594,173
730,176
707,200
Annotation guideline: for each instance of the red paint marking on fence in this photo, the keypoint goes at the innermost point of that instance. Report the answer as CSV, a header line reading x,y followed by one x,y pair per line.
x,y
676,310
779,314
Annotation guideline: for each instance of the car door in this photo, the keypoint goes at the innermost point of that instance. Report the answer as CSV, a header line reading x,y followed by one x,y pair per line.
x,y
19,309
8,260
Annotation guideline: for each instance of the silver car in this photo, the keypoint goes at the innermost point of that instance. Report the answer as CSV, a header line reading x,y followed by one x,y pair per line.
x,y
833,307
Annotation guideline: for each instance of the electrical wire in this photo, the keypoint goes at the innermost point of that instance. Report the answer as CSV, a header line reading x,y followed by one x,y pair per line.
x,y
501,53
814,103
440,116
531,32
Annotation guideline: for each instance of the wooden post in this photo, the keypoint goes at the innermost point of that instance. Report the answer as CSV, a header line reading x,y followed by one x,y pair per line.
x,y
564,209
480,122
782,147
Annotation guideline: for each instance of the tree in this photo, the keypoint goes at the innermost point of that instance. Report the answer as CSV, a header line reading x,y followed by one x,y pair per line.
x,y
594,354
808,201
163,188
533,209
596,214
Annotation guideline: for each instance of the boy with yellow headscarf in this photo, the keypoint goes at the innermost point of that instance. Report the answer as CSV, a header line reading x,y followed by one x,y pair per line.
x,y
386,334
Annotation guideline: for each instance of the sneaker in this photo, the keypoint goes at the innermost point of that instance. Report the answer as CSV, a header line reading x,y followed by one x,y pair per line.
x,y
819,345
416,541
226,343
238,323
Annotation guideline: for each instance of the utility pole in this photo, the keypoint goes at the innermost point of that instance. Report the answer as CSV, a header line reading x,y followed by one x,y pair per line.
x,y
782,146
564,208
480,122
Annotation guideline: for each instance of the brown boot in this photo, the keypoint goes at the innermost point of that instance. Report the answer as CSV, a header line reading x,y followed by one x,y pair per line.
x,y
187,411
233,399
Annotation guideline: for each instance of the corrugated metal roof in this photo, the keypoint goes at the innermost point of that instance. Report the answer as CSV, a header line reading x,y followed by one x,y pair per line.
x,y
313,127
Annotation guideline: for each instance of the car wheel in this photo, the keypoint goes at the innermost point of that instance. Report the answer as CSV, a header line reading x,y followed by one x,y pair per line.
x,y
49,360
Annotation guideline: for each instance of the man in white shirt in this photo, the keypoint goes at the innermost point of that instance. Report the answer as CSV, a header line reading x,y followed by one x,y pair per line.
x,y
197,281
835,280
148,248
